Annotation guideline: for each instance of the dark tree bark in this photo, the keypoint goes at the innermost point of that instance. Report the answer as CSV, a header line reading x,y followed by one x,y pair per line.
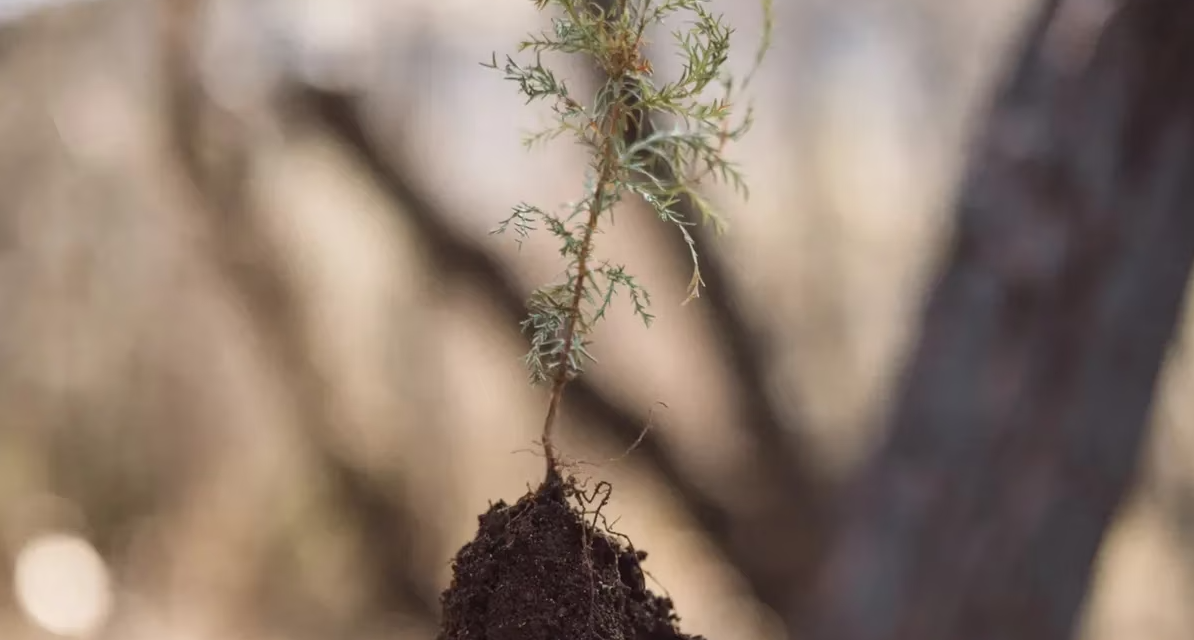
x,y
1026,403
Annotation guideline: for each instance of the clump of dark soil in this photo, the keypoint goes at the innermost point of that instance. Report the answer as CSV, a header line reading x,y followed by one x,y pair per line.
x,y
542,569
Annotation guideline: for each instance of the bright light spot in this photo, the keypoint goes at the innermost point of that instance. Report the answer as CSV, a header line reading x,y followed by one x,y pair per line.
x,y
62,584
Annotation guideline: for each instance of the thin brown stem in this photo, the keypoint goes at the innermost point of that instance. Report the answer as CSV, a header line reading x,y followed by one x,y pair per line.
x,y
563,367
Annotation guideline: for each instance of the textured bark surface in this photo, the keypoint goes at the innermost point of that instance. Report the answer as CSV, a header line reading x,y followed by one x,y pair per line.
x,y
1027,400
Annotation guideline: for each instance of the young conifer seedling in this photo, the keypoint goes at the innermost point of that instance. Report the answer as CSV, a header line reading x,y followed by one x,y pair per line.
x,y
542,569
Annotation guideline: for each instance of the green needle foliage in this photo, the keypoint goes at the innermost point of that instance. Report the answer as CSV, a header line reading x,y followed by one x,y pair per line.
x,y
691,121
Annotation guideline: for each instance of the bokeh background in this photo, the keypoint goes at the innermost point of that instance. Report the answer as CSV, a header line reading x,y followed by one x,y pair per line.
x,y
259,358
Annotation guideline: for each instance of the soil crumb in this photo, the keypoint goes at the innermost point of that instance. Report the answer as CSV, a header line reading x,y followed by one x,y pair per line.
x,y
542,570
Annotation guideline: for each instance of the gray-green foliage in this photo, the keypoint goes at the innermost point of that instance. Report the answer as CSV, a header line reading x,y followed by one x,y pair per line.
x,y
692,119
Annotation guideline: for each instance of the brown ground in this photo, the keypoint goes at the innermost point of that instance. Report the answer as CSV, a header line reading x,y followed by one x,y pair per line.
x,y
543,570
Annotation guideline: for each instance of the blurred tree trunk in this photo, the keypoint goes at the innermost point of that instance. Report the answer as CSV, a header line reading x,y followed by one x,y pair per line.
x,y
1026,403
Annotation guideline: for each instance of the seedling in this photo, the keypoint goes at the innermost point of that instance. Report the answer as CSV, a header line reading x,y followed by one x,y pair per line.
x,y
542,568
655,141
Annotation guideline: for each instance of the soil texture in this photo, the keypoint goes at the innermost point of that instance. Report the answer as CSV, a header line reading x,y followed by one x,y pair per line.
x,y
542,569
